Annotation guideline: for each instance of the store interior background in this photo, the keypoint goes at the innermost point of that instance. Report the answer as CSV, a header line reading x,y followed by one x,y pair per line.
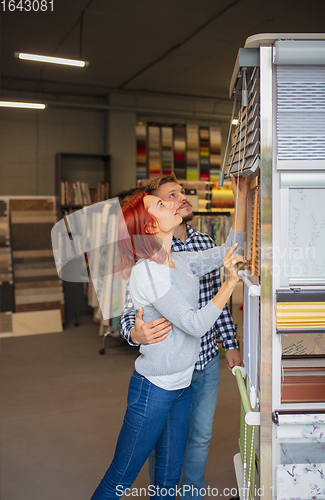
x,y
165,62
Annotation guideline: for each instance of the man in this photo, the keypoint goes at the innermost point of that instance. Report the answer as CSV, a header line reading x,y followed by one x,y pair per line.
x,y
204,386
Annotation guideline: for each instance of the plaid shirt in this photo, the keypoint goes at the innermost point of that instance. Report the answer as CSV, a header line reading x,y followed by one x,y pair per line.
x,y
209,286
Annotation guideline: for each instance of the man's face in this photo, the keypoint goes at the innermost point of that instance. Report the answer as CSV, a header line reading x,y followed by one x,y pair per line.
x,y
173,192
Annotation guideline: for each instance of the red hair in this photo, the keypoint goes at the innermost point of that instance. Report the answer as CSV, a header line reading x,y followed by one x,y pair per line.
x,y
137,221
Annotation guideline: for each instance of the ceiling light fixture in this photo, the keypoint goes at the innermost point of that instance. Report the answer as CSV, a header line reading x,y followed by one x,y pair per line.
x,y
26,105
235,121
52,60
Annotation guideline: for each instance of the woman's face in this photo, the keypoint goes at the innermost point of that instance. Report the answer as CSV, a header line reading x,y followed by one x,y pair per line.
x,y
165,212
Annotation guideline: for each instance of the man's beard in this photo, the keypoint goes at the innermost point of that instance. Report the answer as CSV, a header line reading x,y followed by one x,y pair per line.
x,y
188,218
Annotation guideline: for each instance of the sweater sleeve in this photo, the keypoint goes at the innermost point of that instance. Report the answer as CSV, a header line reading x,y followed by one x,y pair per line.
x,y
206,261
170,302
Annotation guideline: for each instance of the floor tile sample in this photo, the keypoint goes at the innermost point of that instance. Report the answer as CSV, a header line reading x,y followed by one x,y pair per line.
x,y
25,254
38,284
31,216
33,299
24,273
38,291
33,323
31,236
31,204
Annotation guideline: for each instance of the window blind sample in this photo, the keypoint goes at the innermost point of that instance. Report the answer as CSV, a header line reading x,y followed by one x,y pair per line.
x,y
300,311
245,152
215,153
254,231
166,150
154,153
141,153
192,152
305,255
204,152
312,344
180,152
301,388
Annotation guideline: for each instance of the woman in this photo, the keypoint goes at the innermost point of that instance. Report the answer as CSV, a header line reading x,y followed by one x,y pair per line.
x,y
164,284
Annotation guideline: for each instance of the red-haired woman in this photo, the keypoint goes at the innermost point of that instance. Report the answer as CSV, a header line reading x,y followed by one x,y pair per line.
x,y
164,284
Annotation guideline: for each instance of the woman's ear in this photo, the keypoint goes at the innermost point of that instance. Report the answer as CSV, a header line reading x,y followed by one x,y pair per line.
x,y
150,228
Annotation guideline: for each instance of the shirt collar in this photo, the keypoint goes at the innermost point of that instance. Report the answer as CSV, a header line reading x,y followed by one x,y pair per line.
x,y
190,232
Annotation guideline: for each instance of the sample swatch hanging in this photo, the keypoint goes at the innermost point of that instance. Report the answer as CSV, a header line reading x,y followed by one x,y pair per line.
x,y
204,153
180,152
215,153
192,152
141,154
300,311
154,154
167,150
254,240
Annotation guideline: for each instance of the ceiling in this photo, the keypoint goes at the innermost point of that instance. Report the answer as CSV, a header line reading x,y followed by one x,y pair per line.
x,y
179,47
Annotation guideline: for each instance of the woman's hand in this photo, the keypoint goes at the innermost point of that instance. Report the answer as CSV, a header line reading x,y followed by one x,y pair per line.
x,y
240,184
230,262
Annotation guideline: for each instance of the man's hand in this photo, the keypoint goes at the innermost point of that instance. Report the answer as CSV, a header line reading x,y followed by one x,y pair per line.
x,y
233,359
149,333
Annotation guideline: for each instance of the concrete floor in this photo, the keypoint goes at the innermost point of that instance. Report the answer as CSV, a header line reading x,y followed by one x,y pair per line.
x,y
62,406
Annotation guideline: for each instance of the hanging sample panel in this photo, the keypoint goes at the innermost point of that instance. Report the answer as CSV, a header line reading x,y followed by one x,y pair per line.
x,y
245,152
253,229
302,311
141,153
300,105
167,150
300,463
154,152
215,153
180,152
204,153
192,152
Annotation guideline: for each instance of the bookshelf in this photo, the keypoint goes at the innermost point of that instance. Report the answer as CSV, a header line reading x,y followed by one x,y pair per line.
x,y
88,174
81,179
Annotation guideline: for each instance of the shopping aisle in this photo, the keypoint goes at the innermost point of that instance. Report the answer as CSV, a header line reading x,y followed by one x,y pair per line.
x,y
62,408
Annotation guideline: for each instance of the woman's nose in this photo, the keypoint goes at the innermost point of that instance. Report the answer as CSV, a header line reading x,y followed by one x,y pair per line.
x,y
171,205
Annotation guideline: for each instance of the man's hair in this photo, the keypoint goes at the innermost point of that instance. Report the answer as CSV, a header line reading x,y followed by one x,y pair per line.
x,y
159,181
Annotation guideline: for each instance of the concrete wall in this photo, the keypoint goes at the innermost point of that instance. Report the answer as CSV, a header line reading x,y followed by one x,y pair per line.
x,y
30,139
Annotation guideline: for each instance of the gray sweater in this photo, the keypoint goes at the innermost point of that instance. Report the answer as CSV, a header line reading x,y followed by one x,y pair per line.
x,y
174,294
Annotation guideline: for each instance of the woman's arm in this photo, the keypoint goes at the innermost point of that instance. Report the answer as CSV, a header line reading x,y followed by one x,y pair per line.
x,y
206,261
171,303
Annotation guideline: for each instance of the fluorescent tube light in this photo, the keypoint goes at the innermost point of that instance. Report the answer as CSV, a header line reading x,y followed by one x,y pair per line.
x,y
53,60
15,104
235,121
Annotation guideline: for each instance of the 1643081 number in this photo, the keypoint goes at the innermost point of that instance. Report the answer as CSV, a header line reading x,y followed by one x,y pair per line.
x,y
27,5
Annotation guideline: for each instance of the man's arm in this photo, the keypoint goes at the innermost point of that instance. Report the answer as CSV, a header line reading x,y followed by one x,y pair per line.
x,y
135,331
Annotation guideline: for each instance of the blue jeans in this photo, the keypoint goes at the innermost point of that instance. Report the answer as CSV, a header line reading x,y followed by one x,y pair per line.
x,y
204,394
154,417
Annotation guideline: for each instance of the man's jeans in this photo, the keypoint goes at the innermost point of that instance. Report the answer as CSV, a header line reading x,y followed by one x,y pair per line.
x,y
204,394
154,417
